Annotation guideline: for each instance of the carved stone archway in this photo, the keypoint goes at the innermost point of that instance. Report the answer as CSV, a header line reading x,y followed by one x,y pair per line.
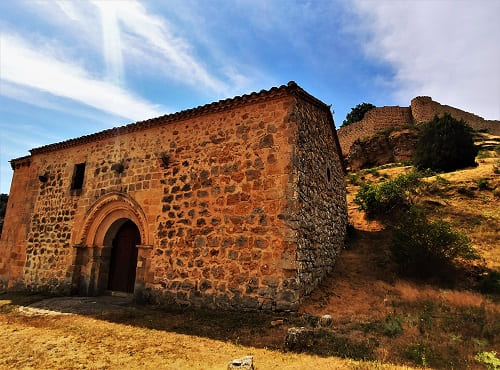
x,y
94,242
105,212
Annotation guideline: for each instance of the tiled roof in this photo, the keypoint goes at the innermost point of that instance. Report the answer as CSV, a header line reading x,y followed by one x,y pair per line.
x,y
221,105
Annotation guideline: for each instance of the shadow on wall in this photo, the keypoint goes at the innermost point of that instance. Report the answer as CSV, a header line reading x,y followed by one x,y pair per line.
x,y
3,206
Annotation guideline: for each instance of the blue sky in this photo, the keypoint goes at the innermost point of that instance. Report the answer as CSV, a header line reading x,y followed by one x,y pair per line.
x,y
70,68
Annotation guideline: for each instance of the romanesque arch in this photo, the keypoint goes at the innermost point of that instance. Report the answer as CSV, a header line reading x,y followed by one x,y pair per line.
x,y
106,216
93,247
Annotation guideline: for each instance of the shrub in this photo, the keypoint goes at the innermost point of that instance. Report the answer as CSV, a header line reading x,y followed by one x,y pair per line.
x,y
490,283
482,183
445,144
426,248
353,178
419,353
488,359
357,113
496,167
389,195
3,207
393,325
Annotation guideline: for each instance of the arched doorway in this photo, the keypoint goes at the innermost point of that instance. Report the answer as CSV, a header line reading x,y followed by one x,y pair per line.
x,y
101,245
123,261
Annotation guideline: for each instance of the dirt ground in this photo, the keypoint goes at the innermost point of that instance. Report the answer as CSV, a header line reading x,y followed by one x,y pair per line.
x,y
111,333
380,320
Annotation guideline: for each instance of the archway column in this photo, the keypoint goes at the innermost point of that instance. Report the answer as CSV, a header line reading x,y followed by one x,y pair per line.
x,y
90,270
143,273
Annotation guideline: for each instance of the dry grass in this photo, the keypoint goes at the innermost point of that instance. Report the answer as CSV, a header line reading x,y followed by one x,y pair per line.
x,y
76,342
413,293
401,321
439,326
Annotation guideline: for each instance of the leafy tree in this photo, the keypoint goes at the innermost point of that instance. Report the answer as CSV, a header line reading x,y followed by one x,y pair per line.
x,y
445,144
357,113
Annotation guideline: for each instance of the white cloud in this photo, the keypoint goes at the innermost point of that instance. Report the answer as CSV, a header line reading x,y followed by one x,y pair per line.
x,y
160,39
21,64
69,8
449,50
112,45
126,29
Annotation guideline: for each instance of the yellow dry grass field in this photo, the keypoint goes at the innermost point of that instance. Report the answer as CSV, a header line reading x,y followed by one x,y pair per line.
x,y
381,320
62,341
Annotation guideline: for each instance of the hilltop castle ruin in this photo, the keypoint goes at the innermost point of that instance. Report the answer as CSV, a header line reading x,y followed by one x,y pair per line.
x,y
422,109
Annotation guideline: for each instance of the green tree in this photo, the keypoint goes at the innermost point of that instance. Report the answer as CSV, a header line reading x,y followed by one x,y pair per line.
x,y
357,113
445,144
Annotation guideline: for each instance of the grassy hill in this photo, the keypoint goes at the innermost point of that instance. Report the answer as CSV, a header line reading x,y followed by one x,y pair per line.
x,y
421,322
381,319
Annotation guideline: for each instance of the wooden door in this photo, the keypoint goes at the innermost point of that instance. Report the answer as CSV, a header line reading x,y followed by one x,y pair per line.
x,y
124,258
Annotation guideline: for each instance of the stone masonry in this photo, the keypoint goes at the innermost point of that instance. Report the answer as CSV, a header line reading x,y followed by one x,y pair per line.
x,y
239,204
422,109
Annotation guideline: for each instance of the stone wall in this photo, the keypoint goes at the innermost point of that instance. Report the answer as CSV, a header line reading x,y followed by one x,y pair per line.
x,y
376,119
17,216
422,109
218,239
321,196
212,192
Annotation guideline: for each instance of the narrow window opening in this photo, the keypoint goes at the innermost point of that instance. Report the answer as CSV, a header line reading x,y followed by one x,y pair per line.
x,y
78,175
328,174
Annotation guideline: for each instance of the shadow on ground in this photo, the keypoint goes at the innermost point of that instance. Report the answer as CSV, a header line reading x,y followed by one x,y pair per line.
x,y
257,329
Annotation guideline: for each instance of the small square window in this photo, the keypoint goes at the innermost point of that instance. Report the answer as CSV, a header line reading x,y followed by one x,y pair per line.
x,y
78,176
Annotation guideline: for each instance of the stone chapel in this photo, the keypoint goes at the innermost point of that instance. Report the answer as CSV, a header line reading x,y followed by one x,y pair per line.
x,y
240,203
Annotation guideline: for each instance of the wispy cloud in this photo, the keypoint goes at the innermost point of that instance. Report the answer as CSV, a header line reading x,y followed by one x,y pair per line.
x,y
112,45
128,29
160,39
34,67
446,49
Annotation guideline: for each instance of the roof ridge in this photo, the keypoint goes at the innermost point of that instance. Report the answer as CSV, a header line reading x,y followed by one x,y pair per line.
x,y
291,87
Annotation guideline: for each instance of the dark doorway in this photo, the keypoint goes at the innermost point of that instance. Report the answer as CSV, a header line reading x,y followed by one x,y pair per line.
x,y
124,258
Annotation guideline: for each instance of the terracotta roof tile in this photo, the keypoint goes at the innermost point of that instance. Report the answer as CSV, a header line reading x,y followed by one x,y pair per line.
x,y
221,105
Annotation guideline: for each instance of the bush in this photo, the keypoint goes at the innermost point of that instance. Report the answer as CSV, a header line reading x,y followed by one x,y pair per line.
x,y
420,353
3,207
496,167
482,183
426,248
392,194
393,325
488,359
490,283
445,144
357,113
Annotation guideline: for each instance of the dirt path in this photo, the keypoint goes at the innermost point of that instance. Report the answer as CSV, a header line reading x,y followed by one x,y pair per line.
x,y
76,305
